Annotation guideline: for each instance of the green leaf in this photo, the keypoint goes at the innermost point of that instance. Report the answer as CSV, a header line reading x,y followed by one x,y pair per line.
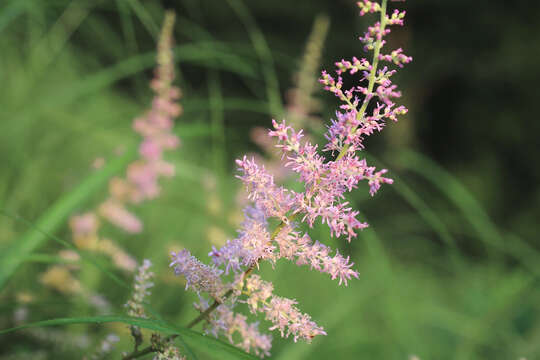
x,y
209,344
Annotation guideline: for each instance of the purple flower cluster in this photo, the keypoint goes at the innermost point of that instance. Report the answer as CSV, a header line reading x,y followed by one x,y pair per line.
x,y
252,244
325,185
199,277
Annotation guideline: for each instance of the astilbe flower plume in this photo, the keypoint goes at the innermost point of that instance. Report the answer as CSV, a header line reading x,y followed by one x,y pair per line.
x,y
326,180
282,312
141,182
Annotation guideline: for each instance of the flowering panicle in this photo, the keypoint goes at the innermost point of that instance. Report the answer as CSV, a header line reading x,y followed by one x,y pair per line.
x,y
135,305
118,215
225,321
318,256
326,182
252,244
282,312
273,200
347,132
141,180
155,127
143,282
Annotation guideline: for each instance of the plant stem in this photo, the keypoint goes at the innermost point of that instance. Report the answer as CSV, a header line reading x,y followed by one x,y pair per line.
x,y
140,353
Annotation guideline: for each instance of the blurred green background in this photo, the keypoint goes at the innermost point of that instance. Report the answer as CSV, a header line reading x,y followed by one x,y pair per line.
x,y
450,265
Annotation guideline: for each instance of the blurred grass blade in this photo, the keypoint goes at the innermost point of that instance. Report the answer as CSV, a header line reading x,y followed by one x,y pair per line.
x,y
217,120
472,210
455,192
265,55
19,250
11,11
101,79
424,210
200,104
208,344
59,34
144,16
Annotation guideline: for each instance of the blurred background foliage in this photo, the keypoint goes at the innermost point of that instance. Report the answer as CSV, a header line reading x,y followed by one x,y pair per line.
x,y
450,265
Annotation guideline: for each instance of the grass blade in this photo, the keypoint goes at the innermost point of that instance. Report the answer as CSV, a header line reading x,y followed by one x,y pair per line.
x,y
199,341
18,251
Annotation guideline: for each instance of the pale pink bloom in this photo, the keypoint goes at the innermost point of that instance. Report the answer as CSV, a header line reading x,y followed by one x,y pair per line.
x,y
273,200
98,163
150,150
119,188
318,256
282,312
118,215
164,168
84,225
143,178
252,244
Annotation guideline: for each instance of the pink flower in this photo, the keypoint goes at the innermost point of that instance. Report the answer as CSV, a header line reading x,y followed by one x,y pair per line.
x,y
252,244
293,245
84,225
118,215
282,312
